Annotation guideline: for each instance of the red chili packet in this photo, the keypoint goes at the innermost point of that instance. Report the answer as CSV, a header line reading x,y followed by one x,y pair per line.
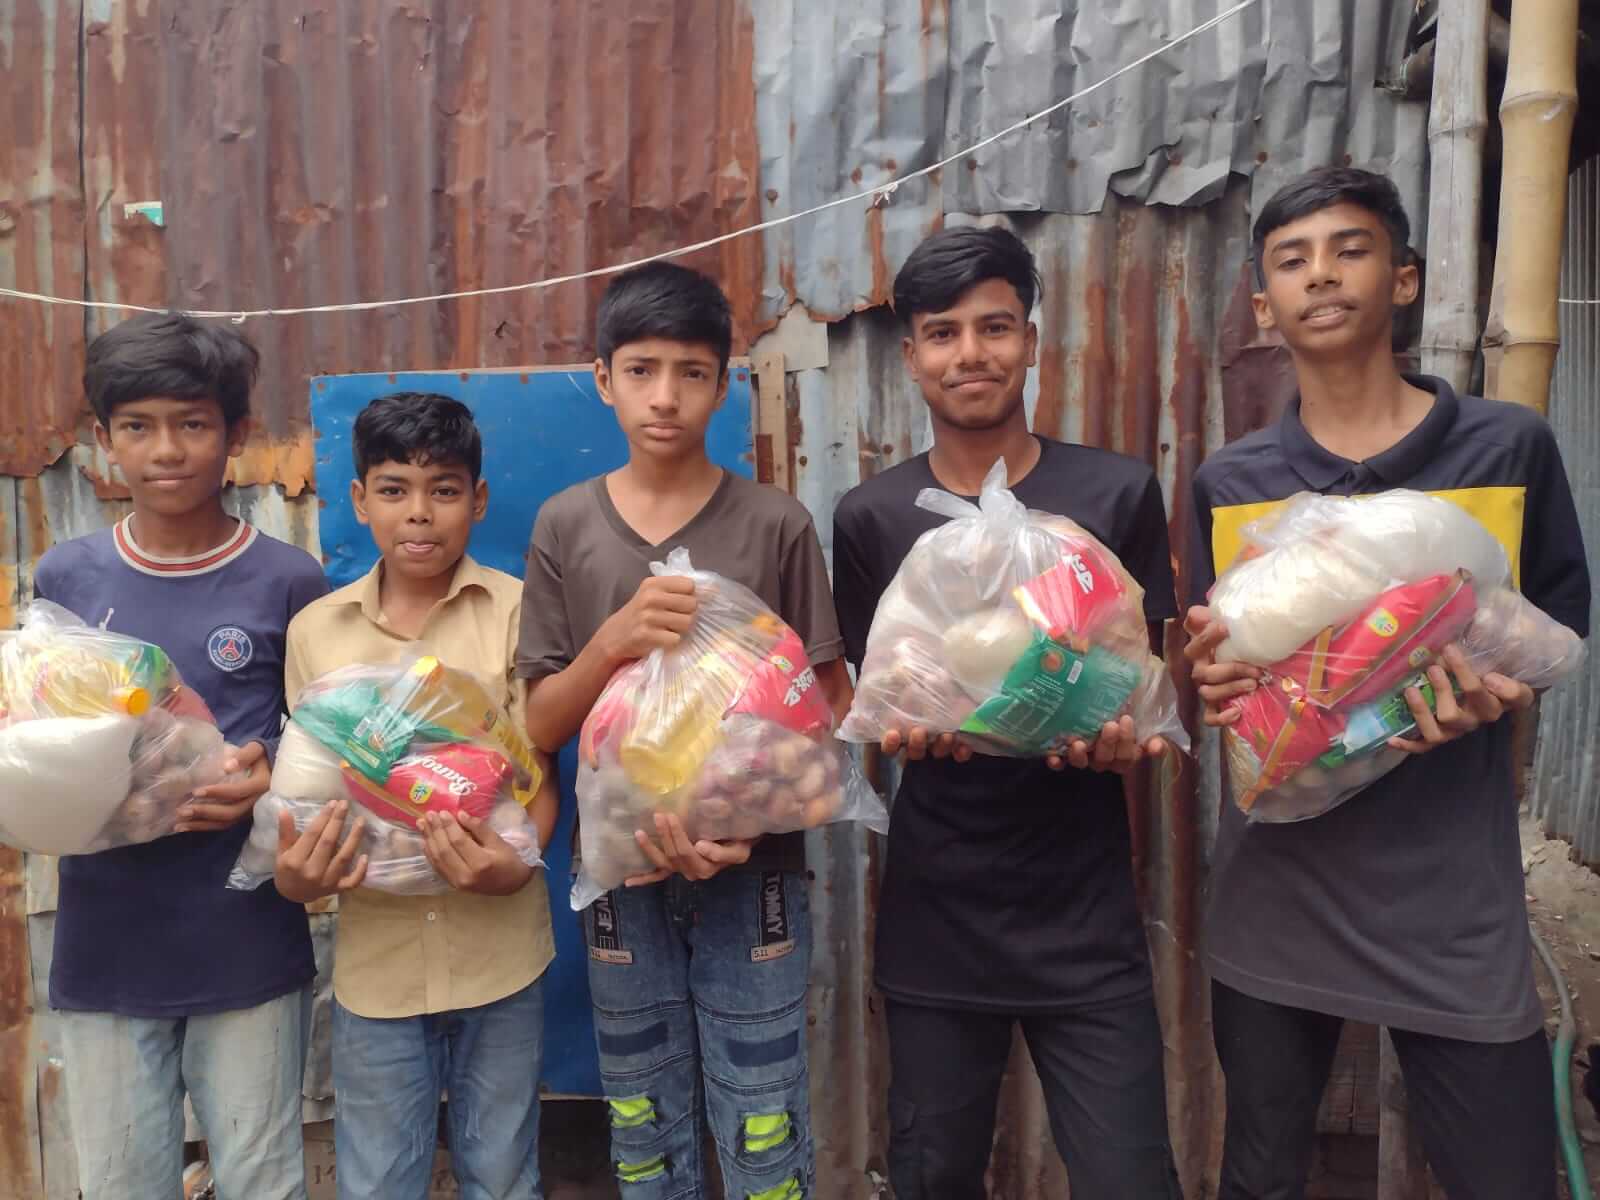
x,y
1284,730
783,689
605,724
1401,632
1072,598
458,779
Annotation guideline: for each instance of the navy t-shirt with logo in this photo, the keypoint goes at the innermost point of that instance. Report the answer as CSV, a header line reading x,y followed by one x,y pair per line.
x,y
152,930
1404,906
1008,886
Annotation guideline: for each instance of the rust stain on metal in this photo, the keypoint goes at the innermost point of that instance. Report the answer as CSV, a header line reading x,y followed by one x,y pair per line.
x,y
882,279
41,236
1257,375
289,464
869,455
1051,407
1138,387
19,1148
1095,362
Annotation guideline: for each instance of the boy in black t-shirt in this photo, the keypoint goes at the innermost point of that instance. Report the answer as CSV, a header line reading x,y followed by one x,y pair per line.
x,y
1403,907
1008,895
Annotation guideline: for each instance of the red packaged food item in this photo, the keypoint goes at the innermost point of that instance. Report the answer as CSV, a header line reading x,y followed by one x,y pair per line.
x,y
457,779
1279,731
783,689
1400,633
1074,598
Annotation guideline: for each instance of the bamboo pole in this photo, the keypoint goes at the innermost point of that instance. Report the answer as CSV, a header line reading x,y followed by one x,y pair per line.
x,y
1457,121
1536,116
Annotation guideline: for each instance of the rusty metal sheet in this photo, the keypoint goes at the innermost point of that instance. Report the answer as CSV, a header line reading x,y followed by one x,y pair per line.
x,y
41,233
237,155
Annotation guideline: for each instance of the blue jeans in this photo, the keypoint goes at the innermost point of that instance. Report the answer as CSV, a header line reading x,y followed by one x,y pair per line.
x,y
700,1014
387,1076
126,1077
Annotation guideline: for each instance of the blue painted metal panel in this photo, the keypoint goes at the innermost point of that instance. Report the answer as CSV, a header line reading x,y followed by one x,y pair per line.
x,y
542,432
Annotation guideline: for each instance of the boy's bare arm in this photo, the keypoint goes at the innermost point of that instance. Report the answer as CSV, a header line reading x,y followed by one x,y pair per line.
x,y
558,704
834,678
657,617
546,804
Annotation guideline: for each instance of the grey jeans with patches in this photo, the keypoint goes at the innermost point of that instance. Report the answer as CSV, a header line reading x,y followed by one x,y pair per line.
x,y
699,994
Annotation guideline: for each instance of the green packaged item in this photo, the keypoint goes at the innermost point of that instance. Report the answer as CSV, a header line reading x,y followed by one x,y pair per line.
x,y
150,668
359,724
1372,725
1053,693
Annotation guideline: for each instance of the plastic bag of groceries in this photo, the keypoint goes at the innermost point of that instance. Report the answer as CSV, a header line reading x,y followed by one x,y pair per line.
x,y
1016,630
100,741
1346,603
397,741
729,730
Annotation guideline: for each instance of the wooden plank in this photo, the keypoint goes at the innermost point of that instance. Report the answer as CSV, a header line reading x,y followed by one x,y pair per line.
x,y
771,413
1402,1173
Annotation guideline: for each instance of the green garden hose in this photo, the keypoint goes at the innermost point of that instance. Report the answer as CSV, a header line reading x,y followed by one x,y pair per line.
x,y
1561,1058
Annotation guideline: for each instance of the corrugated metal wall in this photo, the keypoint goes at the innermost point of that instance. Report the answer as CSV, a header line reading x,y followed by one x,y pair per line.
x,y
1566,791
339,150
850,95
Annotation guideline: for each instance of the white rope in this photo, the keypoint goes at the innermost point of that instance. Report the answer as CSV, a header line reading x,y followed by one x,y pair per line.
x,y
878,195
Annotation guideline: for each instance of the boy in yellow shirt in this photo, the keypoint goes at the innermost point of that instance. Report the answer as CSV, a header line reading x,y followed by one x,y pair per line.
x,y
431,992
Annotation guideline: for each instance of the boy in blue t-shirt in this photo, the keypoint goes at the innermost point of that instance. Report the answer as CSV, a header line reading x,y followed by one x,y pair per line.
x,y
165,981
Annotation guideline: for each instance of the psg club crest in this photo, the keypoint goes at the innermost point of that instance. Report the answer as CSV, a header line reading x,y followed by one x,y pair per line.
x,y
229,647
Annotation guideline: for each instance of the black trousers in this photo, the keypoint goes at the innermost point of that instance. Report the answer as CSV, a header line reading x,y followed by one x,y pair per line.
x,y
1103,1089
1485,1111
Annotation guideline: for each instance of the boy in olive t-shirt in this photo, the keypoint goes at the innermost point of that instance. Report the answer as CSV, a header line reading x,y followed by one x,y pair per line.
x,y
698,971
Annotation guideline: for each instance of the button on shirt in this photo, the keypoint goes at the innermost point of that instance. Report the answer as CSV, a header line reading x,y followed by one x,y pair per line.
x,y
403,956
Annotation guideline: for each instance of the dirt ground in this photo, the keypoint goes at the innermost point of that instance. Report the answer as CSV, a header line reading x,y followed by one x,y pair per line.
x,y
1564,903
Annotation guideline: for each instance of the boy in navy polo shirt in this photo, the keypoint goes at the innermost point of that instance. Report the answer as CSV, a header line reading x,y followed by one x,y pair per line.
x,y
165,980
1404,907
1008,896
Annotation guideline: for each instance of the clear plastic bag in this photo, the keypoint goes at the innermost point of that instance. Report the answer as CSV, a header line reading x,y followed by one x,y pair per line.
x,y
729,730
396,741
1015,629
100,741
1346,603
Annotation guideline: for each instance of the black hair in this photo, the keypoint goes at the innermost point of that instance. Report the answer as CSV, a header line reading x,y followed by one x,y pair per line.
x,y
169,354
419,428
664,300
950,263
1323,188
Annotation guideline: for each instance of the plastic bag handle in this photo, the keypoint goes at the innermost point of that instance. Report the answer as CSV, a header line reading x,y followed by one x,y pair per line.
x,y
677,563
995,501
